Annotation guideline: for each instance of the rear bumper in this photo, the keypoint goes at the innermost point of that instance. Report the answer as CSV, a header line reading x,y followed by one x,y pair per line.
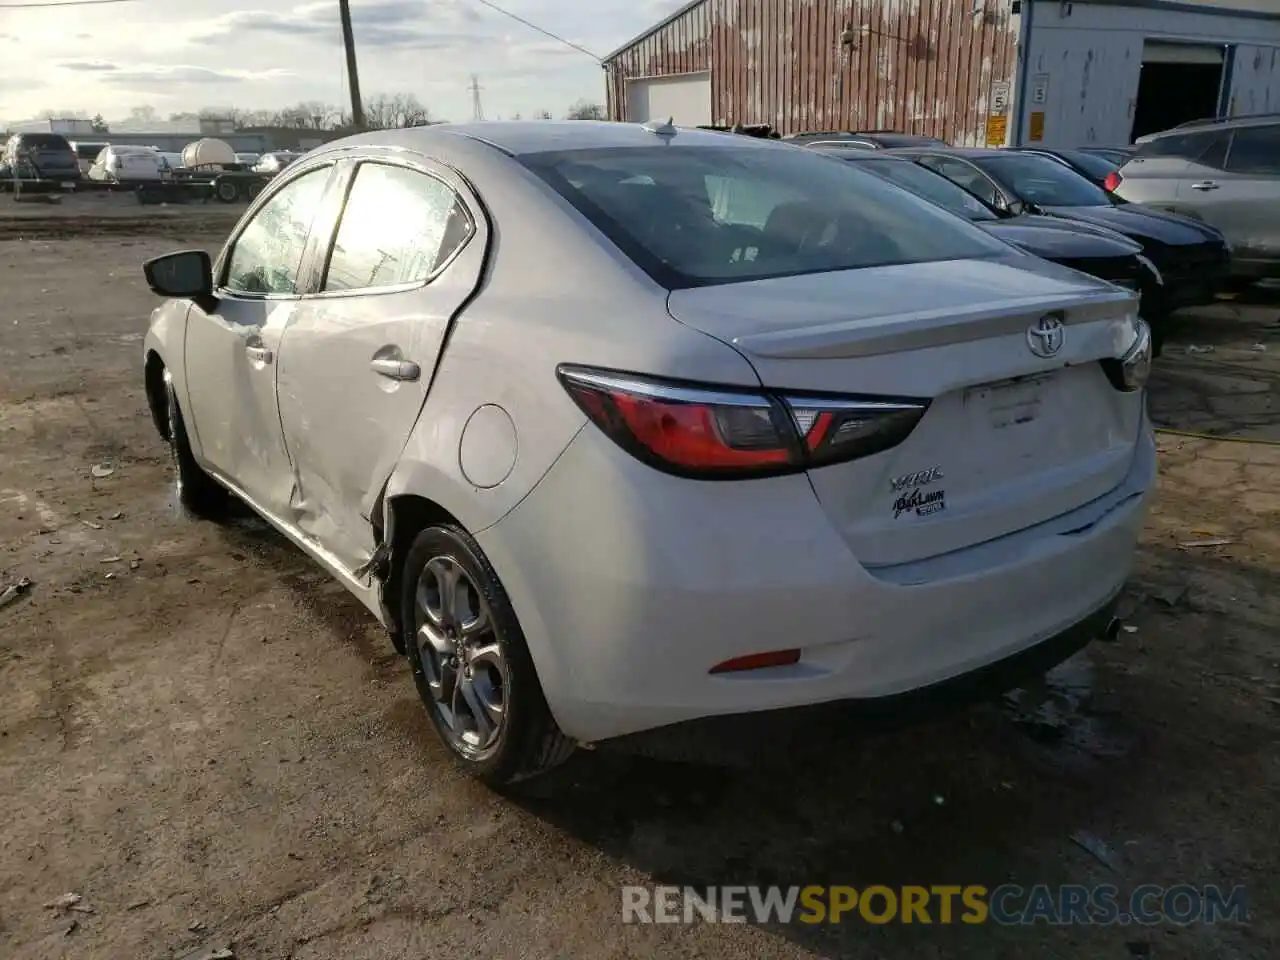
x,y
1192,278
631,585
757,737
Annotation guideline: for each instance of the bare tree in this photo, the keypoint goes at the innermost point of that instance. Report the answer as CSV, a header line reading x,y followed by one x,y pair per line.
x,y
387,111
62,115
585,110
143,114
542,115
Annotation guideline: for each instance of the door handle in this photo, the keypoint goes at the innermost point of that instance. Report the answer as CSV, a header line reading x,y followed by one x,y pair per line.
x,y
395,369
1204,185
259,354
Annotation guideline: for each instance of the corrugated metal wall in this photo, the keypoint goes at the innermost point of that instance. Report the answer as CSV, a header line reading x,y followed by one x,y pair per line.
x,y
921,66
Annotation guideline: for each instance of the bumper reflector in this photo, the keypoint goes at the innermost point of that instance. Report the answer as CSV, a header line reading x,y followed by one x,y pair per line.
x,y
758,661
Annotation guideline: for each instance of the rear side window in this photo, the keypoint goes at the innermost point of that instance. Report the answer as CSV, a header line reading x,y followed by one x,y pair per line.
x,y
1201,146
399,226
44,141
1255,150
719,214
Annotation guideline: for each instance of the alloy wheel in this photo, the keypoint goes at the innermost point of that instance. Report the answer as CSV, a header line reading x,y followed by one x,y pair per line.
x,y
461,656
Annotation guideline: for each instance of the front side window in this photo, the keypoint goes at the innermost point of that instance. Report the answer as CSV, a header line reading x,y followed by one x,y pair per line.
x,y
399,226
964,175
1044,182
718,214
267,255
1255,150
932,187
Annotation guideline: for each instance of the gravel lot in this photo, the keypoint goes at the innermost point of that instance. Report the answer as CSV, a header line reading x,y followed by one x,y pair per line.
x,y
208,741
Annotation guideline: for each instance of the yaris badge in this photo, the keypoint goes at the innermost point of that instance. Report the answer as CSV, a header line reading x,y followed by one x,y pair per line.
x,y
1046,336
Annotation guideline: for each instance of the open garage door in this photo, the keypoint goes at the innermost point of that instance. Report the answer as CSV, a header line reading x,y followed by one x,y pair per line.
x,y
1178,82
685,98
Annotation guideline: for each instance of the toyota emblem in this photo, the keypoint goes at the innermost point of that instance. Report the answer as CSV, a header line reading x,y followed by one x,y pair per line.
x,y
1046,336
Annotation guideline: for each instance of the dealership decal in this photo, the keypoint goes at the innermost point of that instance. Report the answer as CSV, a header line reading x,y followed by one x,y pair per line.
x,y
920,478
920,503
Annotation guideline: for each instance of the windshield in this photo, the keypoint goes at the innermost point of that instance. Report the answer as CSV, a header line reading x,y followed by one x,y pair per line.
x,y
719,214
933,187
1042,181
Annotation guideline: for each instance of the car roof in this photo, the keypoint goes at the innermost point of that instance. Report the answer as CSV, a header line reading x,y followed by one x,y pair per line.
x,y
975,153
518,137
1210,123
861,156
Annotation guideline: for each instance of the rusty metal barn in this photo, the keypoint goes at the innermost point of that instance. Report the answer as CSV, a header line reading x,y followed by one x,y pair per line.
x,y
972,72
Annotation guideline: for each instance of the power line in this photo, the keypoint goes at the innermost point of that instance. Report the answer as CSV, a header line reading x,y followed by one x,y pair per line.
x,y
533,26
43,4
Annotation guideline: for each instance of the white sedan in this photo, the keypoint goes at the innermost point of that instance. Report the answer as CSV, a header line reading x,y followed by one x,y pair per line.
x,y
119,163
617,426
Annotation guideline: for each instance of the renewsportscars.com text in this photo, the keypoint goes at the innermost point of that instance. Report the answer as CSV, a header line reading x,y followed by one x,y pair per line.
x,y
1009,904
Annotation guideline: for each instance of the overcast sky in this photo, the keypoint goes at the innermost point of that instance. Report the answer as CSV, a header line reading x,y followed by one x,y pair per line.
x,y
178,55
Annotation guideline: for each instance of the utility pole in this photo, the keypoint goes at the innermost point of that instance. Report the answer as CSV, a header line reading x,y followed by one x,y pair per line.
x,y
477,109
353,79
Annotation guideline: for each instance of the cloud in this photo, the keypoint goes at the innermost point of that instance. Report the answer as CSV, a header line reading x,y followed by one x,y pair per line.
x,y
89,66
150,74
385,24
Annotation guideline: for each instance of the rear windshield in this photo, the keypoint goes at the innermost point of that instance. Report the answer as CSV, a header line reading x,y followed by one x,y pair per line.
x,y
719,214
1091,163
45,141
932,186
1042,181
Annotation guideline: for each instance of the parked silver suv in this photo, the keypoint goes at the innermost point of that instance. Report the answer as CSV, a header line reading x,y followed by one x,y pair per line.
x,y
1225,172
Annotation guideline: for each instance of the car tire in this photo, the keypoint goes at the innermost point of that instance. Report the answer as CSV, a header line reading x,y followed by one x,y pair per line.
x,y
198,493
470,662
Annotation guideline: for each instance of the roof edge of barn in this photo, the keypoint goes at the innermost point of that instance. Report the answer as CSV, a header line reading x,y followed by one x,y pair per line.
x,y
1183,6
650,31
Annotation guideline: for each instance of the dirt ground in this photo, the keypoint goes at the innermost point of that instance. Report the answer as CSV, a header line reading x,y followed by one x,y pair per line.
x,y
216,748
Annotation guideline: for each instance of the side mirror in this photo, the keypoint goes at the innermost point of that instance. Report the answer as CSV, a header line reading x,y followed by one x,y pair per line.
x,y
1016,208
187,273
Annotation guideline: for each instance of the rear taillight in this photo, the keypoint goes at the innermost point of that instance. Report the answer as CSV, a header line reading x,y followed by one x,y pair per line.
x,y
708,432
1113,181
1131,371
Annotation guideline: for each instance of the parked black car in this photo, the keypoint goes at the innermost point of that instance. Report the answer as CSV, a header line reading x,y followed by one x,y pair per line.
x,y
1097,251
1092,166
862,140
48,155
1192,257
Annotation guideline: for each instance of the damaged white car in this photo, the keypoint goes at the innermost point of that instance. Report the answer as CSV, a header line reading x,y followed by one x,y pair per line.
x,y
617,427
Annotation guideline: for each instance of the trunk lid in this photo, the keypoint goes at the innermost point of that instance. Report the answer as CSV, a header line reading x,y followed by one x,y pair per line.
x,y
1010,438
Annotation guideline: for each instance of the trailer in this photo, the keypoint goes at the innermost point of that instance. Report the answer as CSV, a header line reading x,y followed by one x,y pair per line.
x,y
226,186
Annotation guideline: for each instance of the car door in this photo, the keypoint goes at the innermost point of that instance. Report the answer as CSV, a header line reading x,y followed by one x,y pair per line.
x,y
1157,176
357,359
1239,193
231,347
966,175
